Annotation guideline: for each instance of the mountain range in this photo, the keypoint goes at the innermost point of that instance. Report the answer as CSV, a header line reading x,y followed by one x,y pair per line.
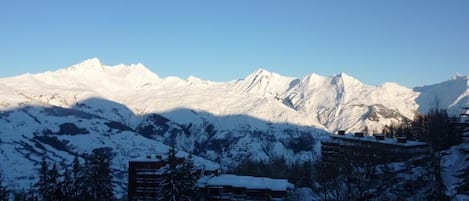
x,y
134,112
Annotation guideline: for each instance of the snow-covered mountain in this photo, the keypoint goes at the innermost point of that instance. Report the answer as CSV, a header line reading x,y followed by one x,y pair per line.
x,y
132,111
452,94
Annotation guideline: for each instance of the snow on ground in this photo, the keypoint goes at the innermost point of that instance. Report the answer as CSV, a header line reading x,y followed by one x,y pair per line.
x,y
332,103
306,194
453,160
254,117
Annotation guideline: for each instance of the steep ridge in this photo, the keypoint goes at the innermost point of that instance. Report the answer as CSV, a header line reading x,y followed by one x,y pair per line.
x,y
265,83
452,94
342,102
336,102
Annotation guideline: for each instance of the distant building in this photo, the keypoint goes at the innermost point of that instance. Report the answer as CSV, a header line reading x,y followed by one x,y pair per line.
x,y
145,174
145,177
376,149
228,187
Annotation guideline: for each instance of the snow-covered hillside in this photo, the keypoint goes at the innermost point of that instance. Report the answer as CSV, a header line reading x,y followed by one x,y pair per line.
x,y
331,103
452,94
134,112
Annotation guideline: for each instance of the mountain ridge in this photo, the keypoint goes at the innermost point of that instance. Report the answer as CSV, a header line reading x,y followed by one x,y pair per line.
x,y
130,109
307,95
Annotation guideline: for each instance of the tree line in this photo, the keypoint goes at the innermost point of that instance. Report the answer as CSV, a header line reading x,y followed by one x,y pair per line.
x,y
436,128
88,181
92,180
351,179
298,173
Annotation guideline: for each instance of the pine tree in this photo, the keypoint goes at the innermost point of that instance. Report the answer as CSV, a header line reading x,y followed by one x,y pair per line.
x,y
190,178
25,195
436,187
322,175
170,186
305,176
54,191
3,190
42,184
179,179
76,180
48,183
86,181
28,195
100,176
65,186
463,175
20,196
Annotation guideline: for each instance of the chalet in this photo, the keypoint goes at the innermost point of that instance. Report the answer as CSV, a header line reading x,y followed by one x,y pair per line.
x,y
145,177
376,149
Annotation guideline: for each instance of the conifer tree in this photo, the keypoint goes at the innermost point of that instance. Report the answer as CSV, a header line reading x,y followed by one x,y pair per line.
x,y
190,178
20,196
43,181
30,194
463,185
170,186
3,190
54,191
66,186
303,172
86,181
25,195
48,183
100,176
179,178
76,180
436,187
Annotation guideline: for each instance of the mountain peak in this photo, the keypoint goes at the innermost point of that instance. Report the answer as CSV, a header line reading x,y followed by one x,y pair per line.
x,y
264,82
458,76
261,71
347,78
92,61
89,64
263,74
343,76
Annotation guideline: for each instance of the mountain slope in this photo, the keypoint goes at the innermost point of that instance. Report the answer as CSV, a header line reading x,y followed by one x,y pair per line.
x,y
134,112
28,132
452,94
342,102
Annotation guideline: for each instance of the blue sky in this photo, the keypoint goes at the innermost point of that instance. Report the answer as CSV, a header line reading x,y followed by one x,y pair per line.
x,y
412,42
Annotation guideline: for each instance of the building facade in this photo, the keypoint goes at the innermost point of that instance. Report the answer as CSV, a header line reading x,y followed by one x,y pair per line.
x,y
145,174
376,149
145,178
228,187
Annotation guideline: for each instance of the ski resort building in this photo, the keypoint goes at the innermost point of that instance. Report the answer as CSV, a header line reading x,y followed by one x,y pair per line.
x,y
145,178
228,187
376,149
145,174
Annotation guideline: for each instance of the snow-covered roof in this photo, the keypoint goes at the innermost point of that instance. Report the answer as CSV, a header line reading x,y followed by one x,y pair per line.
x,y
247,182
392,141
199,162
